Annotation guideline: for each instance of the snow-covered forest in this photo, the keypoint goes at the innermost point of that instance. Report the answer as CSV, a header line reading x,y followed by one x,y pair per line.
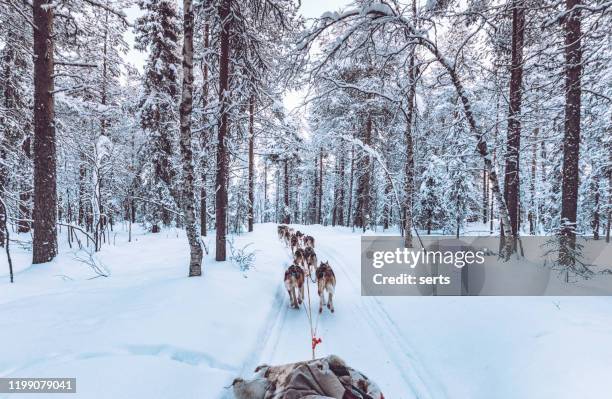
x,y
411,116
406,117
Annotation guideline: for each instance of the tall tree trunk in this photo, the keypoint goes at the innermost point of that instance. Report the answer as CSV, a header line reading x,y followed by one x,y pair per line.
x,y
25,212
3,183
492,203
103,96
277,198
512,175
44,243
335,199
409,150
203,206
350,192
532,184
222,154
387,206
204,136
295,198
362,208
608,228
264,214
188,192
320,193
340,202
571,139
595,217
286,209
5,143
250,215
485,196
82,176
409,165
315,193
103,217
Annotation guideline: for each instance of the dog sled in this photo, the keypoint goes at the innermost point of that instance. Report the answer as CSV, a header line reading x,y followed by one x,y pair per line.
x,y
325,378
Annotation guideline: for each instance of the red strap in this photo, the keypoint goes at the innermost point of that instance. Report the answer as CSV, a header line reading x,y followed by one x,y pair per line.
x,y
315,341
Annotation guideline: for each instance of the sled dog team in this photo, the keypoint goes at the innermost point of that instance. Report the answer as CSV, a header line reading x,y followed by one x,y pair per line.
x,y
304,265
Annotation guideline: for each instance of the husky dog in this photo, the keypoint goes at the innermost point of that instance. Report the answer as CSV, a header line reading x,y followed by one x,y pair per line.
x,y
294,282
310,259
299,259
287,237
281,231
295,243
326,281
309,241
300,237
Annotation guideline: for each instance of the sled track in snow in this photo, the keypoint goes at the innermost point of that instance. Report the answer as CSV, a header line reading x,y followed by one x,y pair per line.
x,y
412,370
269,334
415,376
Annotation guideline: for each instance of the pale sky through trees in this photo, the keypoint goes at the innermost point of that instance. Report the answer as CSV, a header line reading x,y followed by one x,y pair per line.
x,y
308,8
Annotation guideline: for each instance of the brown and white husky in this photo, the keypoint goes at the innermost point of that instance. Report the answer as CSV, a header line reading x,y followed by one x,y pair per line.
x,y
281,231
309,241
326,281
299,259
294,282
310,260
295,243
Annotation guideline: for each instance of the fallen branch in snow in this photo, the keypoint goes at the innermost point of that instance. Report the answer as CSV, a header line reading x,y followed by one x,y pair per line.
x,y
95,265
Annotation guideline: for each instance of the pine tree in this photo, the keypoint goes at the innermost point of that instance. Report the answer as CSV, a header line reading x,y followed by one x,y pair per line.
x,y
158,32
462,194
429,210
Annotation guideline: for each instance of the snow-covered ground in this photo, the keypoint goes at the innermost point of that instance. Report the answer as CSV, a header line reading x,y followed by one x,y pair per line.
x,y
148,331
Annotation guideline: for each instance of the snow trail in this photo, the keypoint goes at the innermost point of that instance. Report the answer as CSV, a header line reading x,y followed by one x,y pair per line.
x,y
359,331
